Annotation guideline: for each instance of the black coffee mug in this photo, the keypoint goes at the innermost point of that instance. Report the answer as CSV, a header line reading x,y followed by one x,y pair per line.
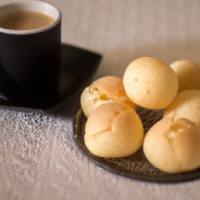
x,y
30,59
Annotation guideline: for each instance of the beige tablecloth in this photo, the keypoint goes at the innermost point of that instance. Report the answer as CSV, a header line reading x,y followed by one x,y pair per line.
x,y
38,157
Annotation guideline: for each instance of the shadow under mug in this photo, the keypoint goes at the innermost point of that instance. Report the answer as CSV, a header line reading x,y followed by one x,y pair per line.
x,y
30,59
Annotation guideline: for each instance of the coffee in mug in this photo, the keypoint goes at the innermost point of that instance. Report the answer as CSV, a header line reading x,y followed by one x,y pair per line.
x,y
30,55
25,21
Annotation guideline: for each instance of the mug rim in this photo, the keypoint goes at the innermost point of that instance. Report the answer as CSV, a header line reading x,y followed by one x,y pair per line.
x,y
32,31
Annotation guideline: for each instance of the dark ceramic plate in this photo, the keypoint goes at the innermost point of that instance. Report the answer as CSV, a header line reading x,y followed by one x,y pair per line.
x,y
135,166
77,69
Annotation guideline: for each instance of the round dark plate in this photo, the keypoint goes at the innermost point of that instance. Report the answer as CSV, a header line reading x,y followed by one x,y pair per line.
x,y
135,166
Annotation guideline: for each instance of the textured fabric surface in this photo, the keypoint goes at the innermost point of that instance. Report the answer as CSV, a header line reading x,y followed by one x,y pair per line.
x,y
38,157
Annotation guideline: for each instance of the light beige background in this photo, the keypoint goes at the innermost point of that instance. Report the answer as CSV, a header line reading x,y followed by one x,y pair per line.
x,y
38,157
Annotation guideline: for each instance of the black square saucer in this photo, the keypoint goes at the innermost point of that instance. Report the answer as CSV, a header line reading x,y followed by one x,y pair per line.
x,y
78,67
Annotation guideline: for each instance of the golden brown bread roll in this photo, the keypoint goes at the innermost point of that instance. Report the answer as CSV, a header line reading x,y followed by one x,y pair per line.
x,y
113,130
150,83
104,90
185,105
173,146
188,74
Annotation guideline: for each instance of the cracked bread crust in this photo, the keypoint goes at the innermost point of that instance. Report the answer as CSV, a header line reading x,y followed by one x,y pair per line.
x,y
113,130
185,105
173,146
104,90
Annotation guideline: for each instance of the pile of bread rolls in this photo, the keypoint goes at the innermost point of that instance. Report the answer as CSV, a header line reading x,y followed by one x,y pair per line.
x,y
114,129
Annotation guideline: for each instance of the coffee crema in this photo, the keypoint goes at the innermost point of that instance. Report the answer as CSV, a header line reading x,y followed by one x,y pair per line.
x,y
25,20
